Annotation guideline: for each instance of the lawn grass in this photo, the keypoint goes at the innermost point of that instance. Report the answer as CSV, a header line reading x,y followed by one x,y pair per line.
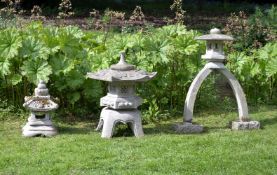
x,y
78,149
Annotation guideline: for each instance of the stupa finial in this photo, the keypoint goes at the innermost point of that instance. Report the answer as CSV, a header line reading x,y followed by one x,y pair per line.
x,y
122,65
215,31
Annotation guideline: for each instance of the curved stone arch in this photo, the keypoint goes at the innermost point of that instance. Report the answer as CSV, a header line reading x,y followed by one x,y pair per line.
x,y
239,94
193,89
197,82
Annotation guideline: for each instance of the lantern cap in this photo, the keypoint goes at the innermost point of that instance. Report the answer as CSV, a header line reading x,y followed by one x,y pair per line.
x,y
215,34
41,101
122,71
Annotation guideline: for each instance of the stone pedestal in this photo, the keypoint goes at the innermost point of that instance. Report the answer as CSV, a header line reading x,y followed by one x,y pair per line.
x,y
110,117
188,128
245,125
39,127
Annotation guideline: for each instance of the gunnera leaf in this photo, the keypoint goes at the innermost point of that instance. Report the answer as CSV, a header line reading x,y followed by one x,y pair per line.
x,y
61,64
10,42
4,66
49,38
75,79
33,48
36,70
73,97
14,79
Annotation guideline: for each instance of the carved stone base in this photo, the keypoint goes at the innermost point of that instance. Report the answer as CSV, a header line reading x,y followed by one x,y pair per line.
x,y
109,118
188,128
240,125
39,127
39,131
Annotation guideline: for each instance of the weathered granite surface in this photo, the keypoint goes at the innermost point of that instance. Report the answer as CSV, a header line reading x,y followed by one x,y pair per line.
x,y
188,128
110,117
121,102
245,125
40,105
215,58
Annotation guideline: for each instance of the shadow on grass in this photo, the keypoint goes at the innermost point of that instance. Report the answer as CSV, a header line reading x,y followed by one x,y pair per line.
x,y
268,121
160,129
157,129
208,129
123,130
76,130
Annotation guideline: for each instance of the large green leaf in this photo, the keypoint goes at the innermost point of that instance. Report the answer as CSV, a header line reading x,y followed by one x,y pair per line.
x,y
61,64
75,79
73,97
157,49
49,37
92,89
33,49
70,40
271,68
10,42
36,70
4,66
74,32
15,79
268,53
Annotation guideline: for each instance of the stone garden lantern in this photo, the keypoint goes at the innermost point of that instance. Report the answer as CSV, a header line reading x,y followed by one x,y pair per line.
x,y
121,101
40,105
215,58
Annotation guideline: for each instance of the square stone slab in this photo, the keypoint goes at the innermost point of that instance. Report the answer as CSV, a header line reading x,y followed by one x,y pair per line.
x,y
242,125
188,128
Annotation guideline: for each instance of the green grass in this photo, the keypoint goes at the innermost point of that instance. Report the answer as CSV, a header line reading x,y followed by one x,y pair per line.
x,y
78,149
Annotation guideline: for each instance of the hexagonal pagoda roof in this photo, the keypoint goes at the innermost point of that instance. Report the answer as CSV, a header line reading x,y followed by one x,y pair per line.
x,y
122,71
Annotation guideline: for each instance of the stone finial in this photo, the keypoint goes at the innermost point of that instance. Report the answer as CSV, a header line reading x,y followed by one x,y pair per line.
x,y
122,65
41,89
215,31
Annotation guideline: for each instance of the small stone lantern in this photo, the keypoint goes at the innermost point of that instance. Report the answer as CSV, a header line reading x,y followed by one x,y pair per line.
x,y
121,102
40,105
215,58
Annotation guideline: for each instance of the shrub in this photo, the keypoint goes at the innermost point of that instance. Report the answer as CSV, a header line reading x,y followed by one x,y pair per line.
x,y
252,32
63,55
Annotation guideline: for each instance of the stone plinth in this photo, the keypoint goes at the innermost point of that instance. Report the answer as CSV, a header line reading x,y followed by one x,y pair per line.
x,y
188,128
245,125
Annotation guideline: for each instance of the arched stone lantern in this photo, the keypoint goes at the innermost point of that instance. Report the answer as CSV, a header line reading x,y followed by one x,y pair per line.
x,y
40,105
121,102
215,58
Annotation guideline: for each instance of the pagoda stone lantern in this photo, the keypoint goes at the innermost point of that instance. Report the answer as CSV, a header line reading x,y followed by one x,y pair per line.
x,y
121,102
40,105
215,58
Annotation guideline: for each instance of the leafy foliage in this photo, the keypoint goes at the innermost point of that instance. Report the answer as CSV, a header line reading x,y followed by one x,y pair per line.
x,y
257,72
63,55
36,70
9,43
